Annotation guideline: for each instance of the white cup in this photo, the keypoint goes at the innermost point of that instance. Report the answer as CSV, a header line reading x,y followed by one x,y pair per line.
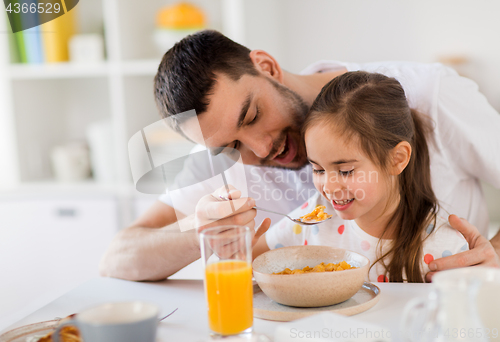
x,y
86,48
123,322
71,162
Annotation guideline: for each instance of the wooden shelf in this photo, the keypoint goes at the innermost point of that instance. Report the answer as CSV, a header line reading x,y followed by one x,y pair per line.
x,y
53,188
146,67
59,70
72,70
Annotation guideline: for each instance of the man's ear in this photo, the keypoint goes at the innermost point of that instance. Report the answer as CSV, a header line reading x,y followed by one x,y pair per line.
x,y
400,157
266,64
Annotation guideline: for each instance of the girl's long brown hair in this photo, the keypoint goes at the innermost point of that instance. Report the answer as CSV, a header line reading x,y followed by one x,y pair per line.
x,y
373,108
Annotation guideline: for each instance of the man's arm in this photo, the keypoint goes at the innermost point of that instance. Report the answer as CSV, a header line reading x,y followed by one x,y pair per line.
x,y
481,251
495,242
152,248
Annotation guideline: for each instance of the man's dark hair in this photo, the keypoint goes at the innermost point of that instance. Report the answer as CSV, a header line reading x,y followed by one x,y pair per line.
x,y
187,72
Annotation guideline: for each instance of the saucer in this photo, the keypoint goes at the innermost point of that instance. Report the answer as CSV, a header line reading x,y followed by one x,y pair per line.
x,y
265,308
22,334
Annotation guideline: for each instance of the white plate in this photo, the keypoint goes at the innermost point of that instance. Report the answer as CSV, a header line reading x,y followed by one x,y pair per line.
x,y
266,308
22,334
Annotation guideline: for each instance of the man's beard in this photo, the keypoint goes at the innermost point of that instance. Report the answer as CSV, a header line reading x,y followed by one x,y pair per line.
x,y
298,111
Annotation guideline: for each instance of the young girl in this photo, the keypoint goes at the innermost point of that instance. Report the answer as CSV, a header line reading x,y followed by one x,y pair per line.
x,y
370,160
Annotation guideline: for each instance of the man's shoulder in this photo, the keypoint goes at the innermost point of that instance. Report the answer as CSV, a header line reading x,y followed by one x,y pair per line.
x,y
408,74
393,67
420,81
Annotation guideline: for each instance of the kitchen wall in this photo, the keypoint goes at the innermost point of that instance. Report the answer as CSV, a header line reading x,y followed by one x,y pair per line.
x,y
299,32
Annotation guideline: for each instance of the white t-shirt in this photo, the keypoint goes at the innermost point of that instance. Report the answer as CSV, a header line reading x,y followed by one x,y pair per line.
x,y
439,242
466,148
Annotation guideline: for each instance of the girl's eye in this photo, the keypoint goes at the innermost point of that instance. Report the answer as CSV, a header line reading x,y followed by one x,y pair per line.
x,y
318,172
346,173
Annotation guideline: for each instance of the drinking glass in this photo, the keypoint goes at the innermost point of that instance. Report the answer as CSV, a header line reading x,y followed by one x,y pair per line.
x,y
226,252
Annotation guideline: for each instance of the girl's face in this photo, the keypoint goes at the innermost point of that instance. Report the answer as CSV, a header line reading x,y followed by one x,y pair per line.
x,y
343,174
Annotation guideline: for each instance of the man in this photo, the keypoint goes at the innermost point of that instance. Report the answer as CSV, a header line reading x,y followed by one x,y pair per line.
x,y
245,101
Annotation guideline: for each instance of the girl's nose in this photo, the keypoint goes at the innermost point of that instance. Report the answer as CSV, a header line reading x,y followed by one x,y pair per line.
x,y
333,188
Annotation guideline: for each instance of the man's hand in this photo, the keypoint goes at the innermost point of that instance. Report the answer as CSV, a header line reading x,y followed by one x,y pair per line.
x,y
227,208
481,251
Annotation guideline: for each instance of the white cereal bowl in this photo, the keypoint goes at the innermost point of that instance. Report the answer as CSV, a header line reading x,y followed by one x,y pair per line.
x,y
309,289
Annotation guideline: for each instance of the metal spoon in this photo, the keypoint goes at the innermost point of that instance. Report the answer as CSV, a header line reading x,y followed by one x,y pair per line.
x,y
161,319
299,221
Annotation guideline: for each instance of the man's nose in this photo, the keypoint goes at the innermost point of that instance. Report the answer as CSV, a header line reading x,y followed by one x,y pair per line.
x,y
260,146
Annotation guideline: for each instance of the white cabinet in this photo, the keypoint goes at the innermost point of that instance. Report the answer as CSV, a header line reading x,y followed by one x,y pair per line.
x,y
49,246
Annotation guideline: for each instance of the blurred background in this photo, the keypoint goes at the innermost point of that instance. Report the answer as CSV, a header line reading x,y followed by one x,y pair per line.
x,y
74,90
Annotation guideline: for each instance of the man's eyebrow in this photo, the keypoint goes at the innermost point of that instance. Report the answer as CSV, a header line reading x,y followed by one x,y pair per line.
x,y
241,118
337,162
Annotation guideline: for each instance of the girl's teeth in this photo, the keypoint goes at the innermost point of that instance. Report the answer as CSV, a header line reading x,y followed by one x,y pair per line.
x,y
343,202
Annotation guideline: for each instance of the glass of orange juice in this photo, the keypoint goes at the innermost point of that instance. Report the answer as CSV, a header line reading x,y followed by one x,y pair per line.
x,y
226,252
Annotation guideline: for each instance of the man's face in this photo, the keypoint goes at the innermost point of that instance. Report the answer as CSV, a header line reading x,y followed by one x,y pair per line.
x,y
259,117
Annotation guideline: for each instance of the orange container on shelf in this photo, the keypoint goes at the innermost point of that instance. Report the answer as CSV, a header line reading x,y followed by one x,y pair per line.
x,y
181,16
228,287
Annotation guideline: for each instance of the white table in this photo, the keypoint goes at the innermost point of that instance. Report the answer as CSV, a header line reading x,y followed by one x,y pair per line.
x,y
190,323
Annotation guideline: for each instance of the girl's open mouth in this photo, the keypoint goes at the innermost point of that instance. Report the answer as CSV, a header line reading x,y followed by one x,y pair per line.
x,y
342,204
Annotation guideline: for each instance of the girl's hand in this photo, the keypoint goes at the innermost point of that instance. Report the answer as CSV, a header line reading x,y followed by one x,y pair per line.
x,y
481,251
